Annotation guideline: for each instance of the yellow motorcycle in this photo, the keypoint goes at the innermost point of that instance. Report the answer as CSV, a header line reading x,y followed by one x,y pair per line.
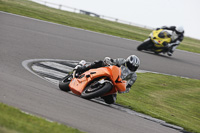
x,y
157,42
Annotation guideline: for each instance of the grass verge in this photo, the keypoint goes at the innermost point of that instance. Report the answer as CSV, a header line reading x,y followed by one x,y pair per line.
x,y
14,121
34,10
173,99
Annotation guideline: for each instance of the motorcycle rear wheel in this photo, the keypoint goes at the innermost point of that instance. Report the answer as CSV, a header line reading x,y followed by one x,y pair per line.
x,y
92,92
64,83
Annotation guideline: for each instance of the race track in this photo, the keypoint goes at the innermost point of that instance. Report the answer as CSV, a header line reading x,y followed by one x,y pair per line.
x,y
23,38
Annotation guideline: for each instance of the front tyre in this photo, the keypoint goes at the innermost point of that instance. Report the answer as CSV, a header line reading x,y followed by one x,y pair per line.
x,y
96,90
145,45
64,83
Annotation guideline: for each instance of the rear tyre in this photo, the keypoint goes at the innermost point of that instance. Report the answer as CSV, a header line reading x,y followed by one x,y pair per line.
x,y
64,83
144,46
96,90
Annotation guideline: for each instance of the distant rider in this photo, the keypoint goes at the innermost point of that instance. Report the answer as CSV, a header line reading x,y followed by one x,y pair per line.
x,y
128,71
177,37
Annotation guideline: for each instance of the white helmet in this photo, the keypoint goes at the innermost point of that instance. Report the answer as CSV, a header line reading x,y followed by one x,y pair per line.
x,y
132,62
180,29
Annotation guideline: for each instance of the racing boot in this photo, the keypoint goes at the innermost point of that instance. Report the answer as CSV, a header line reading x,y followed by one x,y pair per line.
x,y
171,50
110,99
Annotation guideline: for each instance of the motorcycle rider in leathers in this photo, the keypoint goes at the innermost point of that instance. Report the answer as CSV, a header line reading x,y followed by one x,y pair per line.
x,y
128,71
177,37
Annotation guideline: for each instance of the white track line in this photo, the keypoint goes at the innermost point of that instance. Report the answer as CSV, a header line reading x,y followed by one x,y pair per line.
x,y
58,66
48,71
54,81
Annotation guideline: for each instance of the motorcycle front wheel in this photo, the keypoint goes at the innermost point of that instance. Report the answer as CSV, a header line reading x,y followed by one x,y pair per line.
x,y
96,90
145,45
64,83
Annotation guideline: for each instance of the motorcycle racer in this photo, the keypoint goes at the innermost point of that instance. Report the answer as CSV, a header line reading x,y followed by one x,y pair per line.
x,y
177,37
128,66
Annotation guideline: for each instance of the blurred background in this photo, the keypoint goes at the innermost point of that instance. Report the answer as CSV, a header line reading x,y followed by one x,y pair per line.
x,y
144,13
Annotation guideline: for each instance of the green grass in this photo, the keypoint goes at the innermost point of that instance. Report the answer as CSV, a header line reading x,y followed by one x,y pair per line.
x,y
173,99
14,121
34,10
190,44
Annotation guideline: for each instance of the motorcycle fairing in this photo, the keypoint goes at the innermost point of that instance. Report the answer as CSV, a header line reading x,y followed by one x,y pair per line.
x,y
77,85
159,39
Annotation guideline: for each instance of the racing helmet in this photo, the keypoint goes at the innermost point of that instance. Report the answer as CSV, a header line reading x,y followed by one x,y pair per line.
x,y
180,29
132,63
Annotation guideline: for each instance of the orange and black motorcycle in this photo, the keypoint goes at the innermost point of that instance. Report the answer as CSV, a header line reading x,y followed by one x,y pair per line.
x,y
99,82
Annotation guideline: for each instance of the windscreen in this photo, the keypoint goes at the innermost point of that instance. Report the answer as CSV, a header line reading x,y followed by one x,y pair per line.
x,y
164,34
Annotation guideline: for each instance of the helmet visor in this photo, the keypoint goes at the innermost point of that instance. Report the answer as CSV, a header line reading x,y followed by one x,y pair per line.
x,y
131,67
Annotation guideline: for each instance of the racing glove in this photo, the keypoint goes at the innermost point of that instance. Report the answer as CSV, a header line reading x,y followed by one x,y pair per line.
x,y
108,61
128,87
80,69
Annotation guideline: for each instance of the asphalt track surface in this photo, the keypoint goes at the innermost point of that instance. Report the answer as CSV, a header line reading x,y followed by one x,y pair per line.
x,y
23,38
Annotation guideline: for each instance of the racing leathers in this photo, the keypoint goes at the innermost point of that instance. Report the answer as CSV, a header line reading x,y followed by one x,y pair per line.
x,y
126,74
176,38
